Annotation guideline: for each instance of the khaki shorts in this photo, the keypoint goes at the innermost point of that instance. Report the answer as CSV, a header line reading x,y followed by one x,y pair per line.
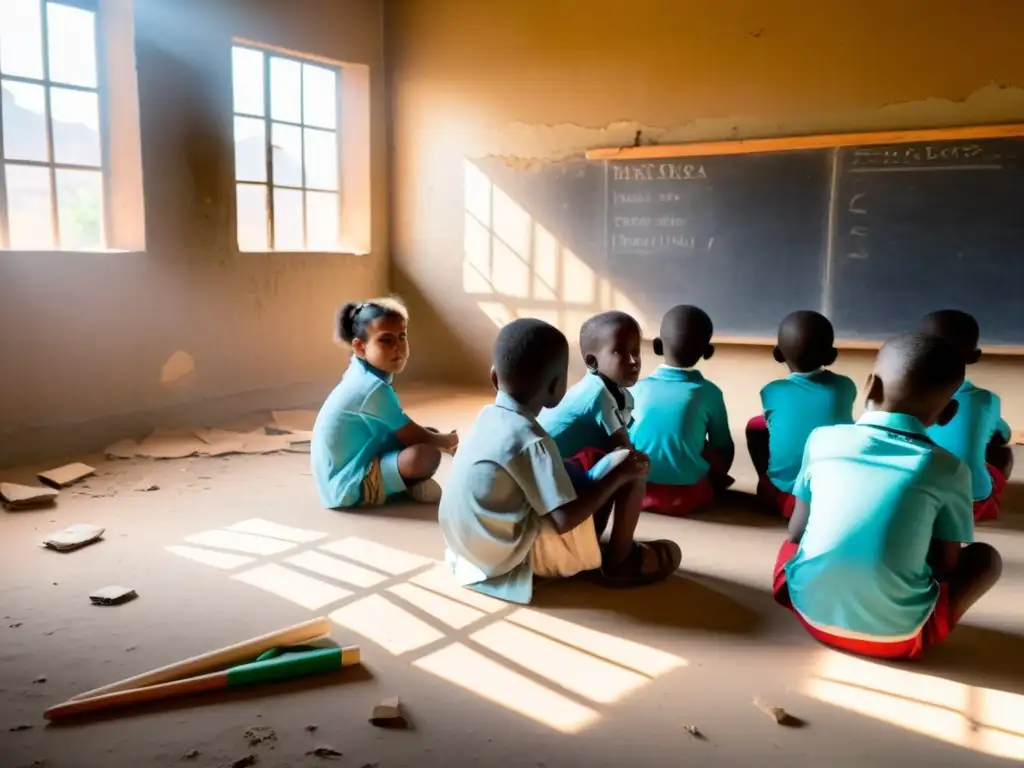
x,y
555,555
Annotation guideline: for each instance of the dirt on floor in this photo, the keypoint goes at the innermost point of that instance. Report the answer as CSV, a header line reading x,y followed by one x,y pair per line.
x,y
689,672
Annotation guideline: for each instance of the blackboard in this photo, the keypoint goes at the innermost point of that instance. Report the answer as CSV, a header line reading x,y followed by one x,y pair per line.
x,y
873,235
925,226
742,236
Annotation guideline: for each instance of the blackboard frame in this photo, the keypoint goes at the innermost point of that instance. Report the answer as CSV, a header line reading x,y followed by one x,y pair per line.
x,y
834,142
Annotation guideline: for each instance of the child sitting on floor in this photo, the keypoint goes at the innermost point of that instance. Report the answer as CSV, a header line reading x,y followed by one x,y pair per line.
x,y
977,435
592,418
876,561
365,449
680,419
810,397
511,509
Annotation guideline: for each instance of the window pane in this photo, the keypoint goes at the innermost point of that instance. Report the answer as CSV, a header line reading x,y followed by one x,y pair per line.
x,y
322,221
247,76
76,126
24,121
71,40
28,207
21,43
285,90
80,209
288,220
287,141
251,201
319,96
250,149
321,159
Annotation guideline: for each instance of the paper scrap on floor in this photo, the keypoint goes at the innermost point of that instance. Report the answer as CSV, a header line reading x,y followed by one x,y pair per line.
x,y
74,537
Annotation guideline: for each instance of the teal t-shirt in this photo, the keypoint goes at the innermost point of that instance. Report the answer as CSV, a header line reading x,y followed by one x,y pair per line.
x,y
793,408
355,425
588,414
677,413
879,492
967,436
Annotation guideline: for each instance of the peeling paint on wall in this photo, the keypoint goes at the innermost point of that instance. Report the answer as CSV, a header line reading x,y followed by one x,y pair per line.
x,y
520,145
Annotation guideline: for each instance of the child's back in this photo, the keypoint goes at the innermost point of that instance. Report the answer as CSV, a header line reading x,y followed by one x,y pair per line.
x,y
879,493
677,414
968,435
793,408
977,434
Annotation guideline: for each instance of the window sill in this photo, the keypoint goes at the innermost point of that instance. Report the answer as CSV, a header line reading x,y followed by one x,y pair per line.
x,y
318,252
70,252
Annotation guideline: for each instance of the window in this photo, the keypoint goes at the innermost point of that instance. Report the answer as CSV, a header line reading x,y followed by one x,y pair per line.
x,y
287,165
52,185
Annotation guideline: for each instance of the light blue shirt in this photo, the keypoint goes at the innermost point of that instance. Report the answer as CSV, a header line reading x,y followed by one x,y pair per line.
x,y
967,436
879,492
793,408
356,424
587,415
677,414
506,475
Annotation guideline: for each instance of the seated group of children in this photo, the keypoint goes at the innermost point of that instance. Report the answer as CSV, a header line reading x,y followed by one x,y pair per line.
x,y
879,558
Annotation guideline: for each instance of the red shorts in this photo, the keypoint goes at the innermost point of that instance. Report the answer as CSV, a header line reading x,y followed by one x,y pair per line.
x,y
586,459
772,497
758,423
677,500
988,509
935,630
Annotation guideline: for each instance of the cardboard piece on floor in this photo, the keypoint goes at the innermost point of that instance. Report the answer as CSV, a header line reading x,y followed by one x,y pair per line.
x,y
294,421
170,444
16,497
69,474
113,595
75,537
122,449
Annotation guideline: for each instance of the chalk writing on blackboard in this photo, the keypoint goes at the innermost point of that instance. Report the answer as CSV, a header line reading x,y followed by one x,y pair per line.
x,y
659,172
925,157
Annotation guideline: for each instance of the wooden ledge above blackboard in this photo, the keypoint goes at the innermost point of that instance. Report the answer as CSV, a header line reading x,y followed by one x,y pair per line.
x,y
869,345
794,143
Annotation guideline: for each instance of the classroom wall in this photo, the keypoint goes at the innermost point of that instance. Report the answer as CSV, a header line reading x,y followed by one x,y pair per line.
x,y
537,81
95,347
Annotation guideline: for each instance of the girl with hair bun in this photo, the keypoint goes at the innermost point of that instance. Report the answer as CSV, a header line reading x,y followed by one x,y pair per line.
x,y
365,449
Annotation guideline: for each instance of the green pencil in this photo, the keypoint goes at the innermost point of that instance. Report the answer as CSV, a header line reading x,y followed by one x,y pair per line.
x,y
270,667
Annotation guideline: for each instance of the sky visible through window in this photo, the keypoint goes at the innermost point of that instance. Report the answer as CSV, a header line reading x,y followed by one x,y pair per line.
x,y
297,207
71,175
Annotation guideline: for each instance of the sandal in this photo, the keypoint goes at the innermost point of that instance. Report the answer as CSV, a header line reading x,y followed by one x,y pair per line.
x,y
630,572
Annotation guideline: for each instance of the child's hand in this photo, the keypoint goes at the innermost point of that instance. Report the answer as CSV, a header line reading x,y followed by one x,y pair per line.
x,y
450,441
636,466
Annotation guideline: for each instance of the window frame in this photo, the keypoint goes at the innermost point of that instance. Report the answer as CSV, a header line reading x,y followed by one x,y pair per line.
x,y
268,53
103,107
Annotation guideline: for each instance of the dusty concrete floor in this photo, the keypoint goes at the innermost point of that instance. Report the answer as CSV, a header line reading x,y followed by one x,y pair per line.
x,y
485,684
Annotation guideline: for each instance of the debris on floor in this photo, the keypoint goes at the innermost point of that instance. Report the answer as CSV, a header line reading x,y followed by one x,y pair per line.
x,y
69,474
778,714
18,497
20,727
15,625
40,679
243,762
258,734
327,753
113,595
74,537
694,731
184,443
388,714
192,754
146,487
312,727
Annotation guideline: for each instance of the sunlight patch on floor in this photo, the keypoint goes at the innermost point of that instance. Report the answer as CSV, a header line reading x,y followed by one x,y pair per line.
x,y
981,719
300,589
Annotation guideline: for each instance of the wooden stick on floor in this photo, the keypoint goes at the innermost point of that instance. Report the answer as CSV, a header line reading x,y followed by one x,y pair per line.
x,y
247,650
283,667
